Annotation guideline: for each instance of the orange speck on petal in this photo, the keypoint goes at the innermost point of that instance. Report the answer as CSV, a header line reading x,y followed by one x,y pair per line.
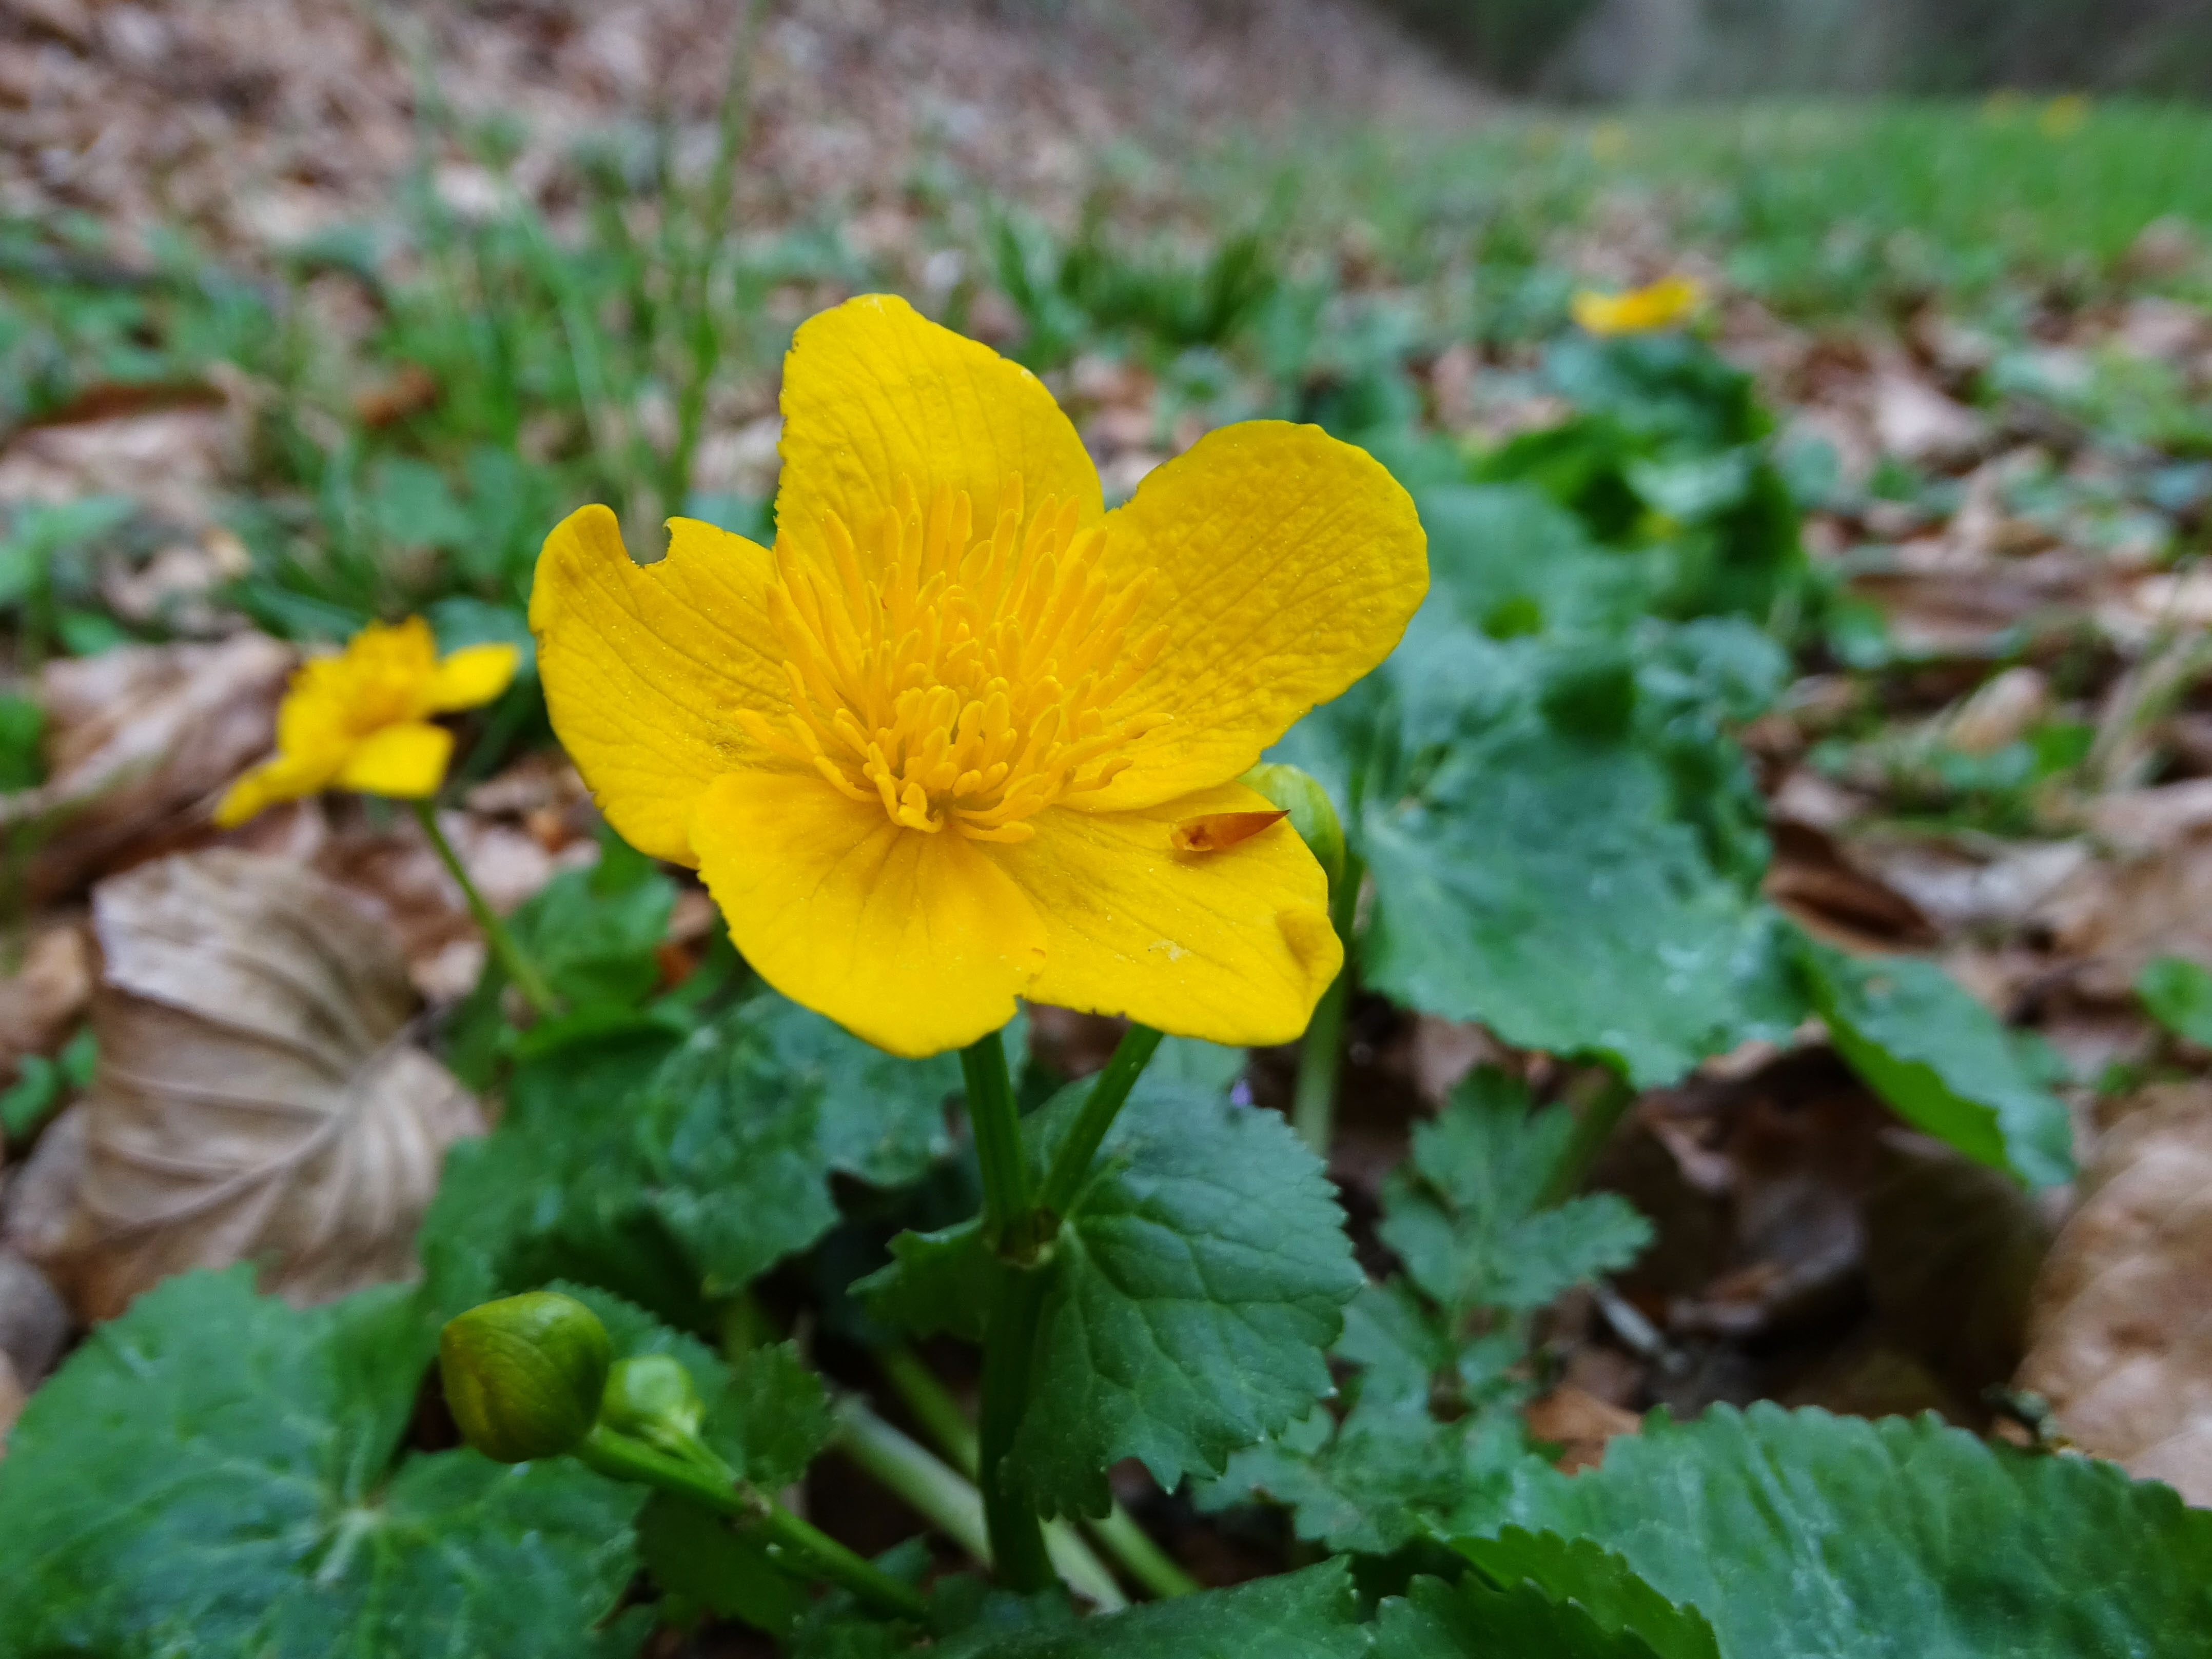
x,y
1216,831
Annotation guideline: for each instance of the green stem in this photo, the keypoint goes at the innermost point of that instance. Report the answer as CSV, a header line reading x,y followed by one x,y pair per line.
x,y
932,1404
1594,1126
497,939
943,1496
1320,1057
1009,1330
1009,1356
621,1458
1072,1166
998,1129
940,1416
1133,1546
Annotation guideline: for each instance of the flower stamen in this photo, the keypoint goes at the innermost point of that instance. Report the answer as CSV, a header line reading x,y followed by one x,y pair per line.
x,y
972,681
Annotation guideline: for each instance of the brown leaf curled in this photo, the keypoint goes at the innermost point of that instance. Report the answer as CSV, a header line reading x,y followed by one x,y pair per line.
x,y
2121,1329
258,1096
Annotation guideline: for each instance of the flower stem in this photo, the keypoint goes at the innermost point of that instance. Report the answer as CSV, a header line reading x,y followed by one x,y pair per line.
x,y
1320,1057
1010,1328
993,1117
1133,1546
1072,1166
1598,1117
497,938
942,1496
818,1555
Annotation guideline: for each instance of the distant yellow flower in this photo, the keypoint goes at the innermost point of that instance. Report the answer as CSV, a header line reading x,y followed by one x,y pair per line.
x,y
2063,115
930,753
1660,305
359,719
1608,141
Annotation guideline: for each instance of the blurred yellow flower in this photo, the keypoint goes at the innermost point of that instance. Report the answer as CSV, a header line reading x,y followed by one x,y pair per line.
x,y
1658,305
359,719
933,751
2063,115
1608,141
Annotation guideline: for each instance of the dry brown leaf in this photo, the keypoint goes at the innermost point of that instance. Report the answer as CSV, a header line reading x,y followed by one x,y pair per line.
x,y
138,738
13,1396
41,1001
1578,1422
256,1098
2120,1329
34,1321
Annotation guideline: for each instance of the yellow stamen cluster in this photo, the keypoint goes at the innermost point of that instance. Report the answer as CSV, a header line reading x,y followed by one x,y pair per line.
x,y
970,681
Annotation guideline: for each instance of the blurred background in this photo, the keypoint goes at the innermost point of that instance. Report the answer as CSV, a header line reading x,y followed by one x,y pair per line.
x,y
319,311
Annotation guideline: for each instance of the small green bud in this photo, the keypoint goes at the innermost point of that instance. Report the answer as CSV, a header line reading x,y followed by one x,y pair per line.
x,y
523,1375
1311,815
651,1398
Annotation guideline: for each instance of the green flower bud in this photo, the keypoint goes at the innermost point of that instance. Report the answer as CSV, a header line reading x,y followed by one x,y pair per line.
x,y
1311,815
523,1375
651,1398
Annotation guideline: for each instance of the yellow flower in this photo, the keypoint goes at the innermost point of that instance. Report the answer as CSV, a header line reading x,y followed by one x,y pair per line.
x,y
930,753
2064,115
1660,305
359,719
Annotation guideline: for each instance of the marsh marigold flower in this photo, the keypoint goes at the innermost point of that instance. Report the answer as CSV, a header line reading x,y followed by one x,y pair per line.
x,y
360,719
1658,304
931,751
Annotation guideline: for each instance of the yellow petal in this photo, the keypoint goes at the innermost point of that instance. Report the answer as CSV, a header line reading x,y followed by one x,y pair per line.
x,y
643,665
873,394
407,760
281,777
1233,947
472,675
915,942
1288,565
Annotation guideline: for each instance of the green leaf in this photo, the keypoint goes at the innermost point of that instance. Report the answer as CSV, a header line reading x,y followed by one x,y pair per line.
x,y
1469,1220
1391,1472
1940,1060
772,1419
1194,1290
213,1473
1436,1620
1546,887
1195,1285
593,933
1813,1535
2179,994
1300,1615
22,739
704,1566
1601,1583
677,1172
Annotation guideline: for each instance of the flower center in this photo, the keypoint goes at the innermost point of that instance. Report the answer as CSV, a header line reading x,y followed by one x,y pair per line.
x,y
972,683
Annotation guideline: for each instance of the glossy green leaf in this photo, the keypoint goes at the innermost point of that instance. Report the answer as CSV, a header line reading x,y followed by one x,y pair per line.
x,y
1470,1621
1547,888
1941,1060
217,1473
1195,1286
674,1172
2179,994
1311,1614
1838,1538
1468,1220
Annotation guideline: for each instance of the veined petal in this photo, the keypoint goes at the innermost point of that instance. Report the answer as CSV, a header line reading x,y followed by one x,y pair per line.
x,y
407,760
873,394
474,674
915,942
1289,565
1233,947
643,666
